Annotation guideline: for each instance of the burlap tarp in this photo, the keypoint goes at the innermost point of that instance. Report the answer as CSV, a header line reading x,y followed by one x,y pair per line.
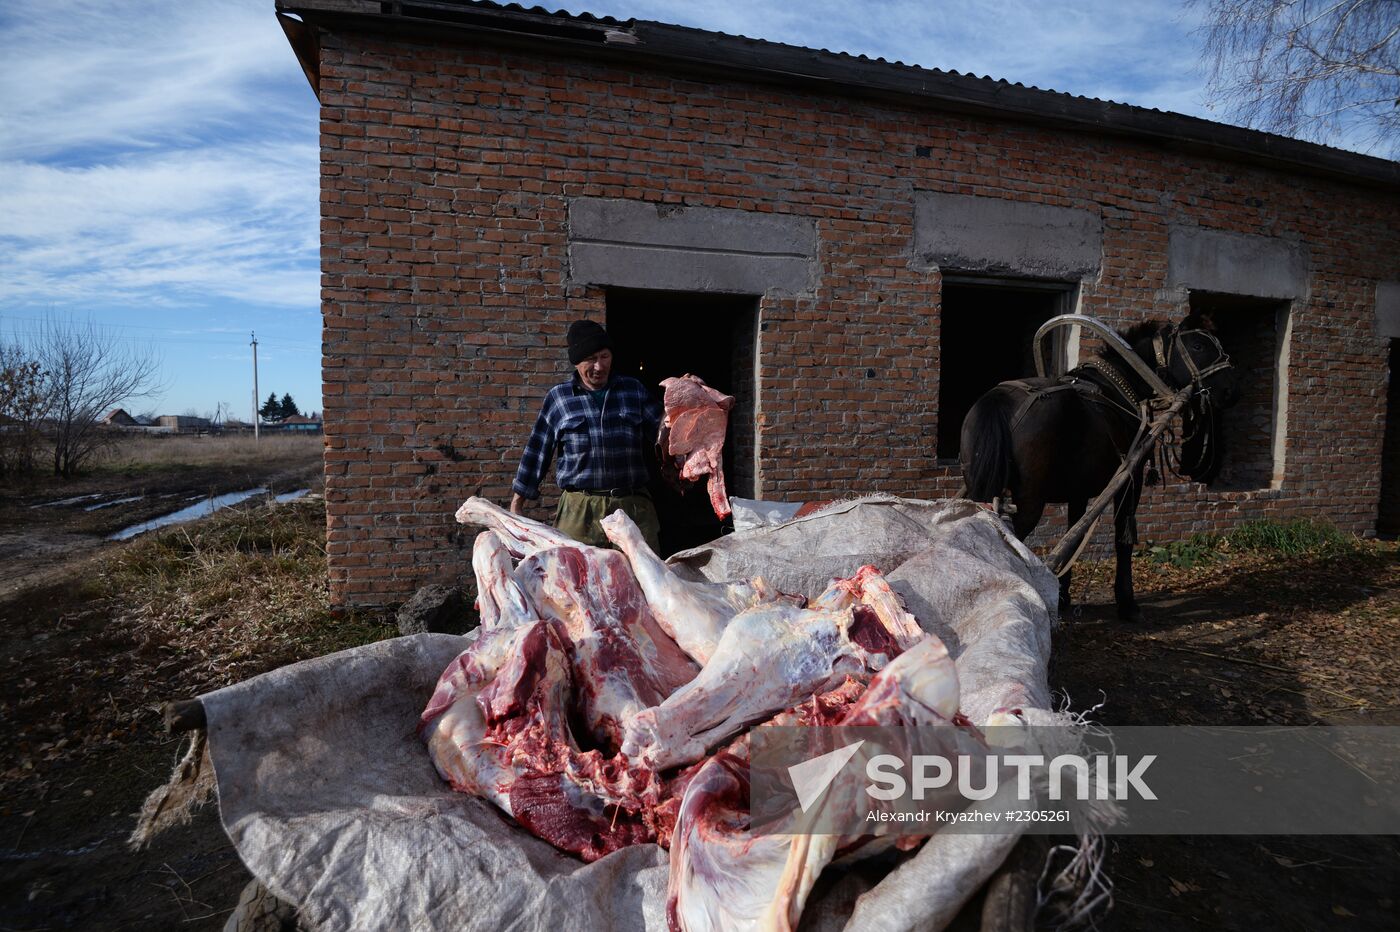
x,y
334,805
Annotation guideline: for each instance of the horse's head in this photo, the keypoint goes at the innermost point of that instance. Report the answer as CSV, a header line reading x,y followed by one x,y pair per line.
x,y
1192,354
1189,353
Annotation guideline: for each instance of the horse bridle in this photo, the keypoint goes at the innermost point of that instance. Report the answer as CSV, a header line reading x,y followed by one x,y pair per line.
x,y
1165,350
1165,353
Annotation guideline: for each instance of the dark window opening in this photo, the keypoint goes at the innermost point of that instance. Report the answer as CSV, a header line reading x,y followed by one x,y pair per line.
x,y
660,334
1388,523
1249,329
987,336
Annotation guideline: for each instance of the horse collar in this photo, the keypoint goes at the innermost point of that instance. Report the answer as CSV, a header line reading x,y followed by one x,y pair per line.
x,y
1115,378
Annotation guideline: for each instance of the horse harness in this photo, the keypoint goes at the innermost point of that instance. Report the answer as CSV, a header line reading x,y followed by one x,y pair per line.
x,y
1129,400
1132,405
1087,389
1114,389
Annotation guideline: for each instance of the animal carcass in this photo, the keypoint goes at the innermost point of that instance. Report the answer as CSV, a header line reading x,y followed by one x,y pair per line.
x,y
697,418
605,703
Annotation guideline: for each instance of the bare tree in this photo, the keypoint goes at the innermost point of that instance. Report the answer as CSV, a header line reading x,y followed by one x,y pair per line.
x,y
1323,70
23,406
87,372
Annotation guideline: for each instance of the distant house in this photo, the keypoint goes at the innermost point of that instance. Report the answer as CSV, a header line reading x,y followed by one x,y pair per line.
x,y
299,423
178,422
119,418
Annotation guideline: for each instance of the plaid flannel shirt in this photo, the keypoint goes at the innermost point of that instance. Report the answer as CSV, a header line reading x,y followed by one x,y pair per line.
x,y
600,446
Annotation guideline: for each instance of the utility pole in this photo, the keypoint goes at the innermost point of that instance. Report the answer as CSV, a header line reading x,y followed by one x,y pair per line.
x,y
256,434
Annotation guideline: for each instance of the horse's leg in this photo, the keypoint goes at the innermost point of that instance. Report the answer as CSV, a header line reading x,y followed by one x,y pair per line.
x,y
1124,540
1075,511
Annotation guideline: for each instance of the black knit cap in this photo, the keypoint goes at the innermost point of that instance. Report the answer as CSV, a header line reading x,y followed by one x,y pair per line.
x,y
585,339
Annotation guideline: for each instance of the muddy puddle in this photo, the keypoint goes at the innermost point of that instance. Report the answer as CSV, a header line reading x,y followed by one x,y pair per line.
x,y
200,509
64,502
116,501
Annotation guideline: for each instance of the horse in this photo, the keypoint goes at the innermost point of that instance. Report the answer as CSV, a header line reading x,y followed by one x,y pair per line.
x,y
1043,440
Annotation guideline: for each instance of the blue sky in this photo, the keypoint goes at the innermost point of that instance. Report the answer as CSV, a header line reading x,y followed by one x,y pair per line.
x,y
158,160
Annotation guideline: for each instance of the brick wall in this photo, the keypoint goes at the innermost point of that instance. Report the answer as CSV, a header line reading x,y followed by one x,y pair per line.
x,y
446,174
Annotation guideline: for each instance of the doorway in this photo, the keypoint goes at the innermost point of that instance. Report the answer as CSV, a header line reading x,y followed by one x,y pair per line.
x,y
660,334
1388,522
988,337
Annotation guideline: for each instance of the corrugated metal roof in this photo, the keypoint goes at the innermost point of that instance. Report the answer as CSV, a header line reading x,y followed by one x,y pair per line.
x,y
717,52
543,11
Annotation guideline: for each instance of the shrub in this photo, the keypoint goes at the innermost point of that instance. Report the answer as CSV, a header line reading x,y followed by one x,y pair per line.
x,y
1185,554
1290,538
1300,537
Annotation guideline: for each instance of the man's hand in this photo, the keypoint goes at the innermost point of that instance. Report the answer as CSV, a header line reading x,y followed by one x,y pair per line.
x,y
517,504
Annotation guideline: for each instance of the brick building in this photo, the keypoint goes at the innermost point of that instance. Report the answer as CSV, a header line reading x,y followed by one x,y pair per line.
x,y
853,248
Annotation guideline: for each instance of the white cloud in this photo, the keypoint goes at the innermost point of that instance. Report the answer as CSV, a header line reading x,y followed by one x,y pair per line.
x,y
87,73
162,227
154,154
165,151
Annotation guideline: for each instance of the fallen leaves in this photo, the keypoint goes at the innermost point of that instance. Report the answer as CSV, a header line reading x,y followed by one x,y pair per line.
x,y
1179,887
1251,638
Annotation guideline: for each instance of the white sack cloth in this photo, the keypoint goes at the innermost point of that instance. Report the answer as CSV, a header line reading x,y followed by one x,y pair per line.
x,y
751,513
333,804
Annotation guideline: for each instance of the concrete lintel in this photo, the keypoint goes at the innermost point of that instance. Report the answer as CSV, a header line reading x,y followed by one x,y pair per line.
x,y
636,244
678,269
1236,263
1388,310
973,233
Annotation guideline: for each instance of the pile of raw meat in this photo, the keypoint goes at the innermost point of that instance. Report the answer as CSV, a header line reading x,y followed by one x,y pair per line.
x,y
605,703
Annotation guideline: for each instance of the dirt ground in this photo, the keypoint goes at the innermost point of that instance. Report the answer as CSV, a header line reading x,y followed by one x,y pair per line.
x,y
73,773
49,525
1253,639
1256,640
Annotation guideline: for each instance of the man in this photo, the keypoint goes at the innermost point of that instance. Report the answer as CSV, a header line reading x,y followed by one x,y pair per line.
x,y
601,425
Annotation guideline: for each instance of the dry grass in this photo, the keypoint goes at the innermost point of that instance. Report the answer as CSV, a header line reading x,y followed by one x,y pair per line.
x,y
238,594
170,616
154,450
